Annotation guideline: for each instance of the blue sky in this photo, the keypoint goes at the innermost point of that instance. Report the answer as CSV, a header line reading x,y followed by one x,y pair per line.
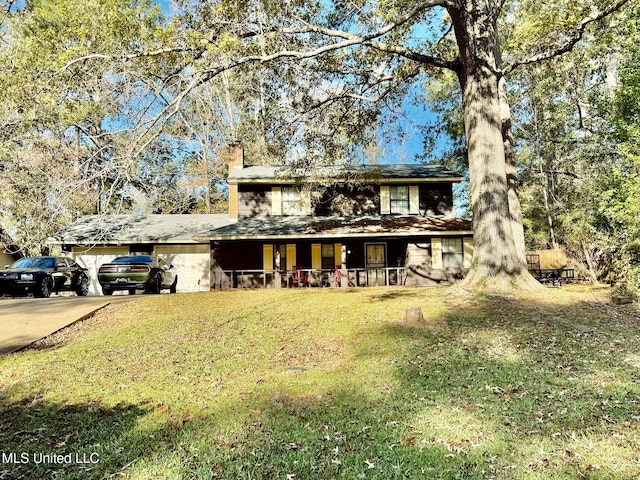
x,y
414,116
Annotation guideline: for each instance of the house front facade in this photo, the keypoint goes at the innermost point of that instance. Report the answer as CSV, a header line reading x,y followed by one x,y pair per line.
x,y
333,226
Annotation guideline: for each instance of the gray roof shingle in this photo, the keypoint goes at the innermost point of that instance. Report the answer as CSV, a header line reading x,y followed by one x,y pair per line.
x,y
124,229
112,229
373,173
333,227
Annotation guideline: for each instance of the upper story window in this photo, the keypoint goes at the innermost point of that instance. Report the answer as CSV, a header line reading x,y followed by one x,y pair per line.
x,y
292,201
399,199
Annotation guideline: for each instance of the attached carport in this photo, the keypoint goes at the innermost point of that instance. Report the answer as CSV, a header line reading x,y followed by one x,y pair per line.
x,y
95,240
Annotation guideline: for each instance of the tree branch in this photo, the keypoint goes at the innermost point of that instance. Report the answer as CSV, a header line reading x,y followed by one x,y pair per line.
x,y
574,38
342,40
415,56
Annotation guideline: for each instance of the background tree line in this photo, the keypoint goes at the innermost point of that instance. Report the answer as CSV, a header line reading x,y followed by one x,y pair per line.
x,y
119,106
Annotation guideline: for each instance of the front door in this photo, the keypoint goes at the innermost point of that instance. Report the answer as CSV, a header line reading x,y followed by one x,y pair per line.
x,y
376,255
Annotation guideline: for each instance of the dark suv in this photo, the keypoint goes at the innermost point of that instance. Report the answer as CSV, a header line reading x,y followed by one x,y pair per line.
x,y
42,276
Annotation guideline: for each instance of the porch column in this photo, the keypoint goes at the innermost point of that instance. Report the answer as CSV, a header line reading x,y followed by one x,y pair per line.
x,y
344,275
276,274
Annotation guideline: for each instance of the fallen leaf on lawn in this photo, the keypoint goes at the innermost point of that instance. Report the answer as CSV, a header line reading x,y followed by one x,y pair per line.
x,y
408,441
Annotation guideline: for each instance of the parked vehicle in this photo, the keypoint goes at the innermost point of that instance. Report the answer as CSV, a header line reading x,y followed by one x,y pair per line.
x,y
41,276
137,272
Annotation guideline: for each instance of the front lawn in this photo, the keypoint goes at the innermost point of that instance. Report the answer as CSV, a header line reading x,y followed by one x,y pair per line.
x,y
322,384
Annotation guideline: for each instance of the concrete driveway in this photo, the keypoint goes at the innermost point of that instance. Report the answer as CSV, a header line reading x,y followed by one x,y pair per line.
x,y
25,320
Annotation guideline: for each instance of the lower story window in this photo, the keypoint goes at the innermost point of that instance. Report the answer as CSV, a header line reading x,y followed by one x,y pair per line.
x,y
452,254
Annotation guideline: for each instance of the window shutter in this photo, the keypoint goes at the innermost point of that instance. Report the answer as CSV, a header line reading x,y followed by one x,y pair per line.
x,y
291,256
276,200
385,200
436,253
267,257
338,254
316,256
468,251
414,199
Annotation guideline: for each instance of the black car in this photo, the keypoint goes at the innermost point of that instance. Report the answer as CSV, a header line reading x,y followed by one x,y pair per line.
x,y
137,272
41,276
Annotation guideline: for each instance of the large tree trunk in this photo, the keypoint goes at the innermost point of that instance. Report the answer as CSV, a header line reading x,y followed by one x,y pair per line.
x,y
512,174
498,257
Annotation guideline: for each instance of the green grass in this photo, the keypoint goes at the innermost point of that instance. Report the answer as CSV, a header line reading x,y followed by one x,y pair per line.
x,y
534,386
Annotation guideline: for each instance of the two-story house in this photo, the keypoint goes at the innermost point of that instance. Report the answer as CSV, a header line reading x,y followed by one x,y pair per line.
x,y
365,225
334,226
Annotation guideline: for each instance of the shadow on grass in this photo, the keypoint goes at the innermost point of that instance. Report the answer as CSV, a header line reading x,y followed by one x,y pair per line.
x,y
40,439
395,294
562,381
281,438
503,390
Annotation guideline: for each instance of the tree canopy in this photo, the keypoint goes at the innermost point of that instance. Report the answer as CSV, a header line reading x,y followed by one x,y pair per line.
x,y
128,93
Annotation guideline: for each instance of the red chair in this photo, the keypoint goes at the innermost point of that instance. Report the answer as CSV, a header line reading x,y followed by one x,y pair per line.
x,y
298,277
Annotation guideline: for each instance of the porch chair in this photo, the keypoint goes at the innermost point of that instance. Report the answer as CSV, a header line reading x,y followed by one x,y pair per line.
x,y
298,277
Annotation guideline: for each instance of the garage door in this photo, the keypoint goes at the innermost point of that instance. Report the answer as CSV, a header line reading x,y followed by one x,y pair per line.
x,y
192,264
93,258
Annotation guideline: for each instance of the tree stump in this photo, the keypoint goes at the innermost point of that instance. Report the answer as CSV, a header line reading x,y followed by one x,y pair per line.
x,y
621,300
413,317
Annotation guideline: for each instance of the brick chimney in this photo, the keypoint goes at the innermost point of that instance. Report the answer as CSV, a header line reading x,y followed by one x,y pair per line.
x,y
236,160
236,155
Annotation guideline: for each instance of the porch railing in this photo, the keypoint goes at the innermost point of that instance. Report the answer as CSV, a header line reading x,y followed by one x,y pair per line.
x,y
307,278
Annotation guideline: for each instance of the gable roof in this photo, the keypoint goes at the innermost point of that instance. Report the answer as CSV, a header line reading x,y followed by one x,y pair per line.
x,y
283,227
115,229
200,228
415,173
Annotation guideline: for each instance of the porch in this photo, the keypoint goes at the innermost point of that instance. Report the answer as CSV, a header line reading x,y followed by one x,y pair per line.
x,y
309,278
